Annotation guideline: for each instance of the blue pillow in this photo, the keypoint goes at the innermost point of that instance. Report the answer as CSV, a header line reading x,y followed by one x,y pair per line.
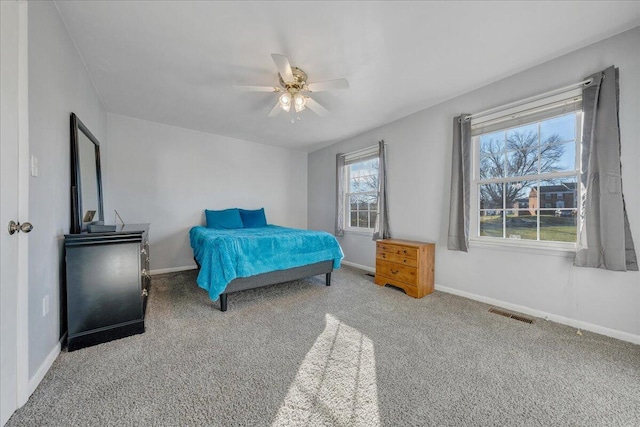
x,y
228,218
252,219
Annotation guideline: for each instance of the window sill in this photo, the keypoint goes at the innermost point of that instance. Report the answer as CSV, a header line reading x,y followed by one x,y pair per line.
x,y
566,250
359,232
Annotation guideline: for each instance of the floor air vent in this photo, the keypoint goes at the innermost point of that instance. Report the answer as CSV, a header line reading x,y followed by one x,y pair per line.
x,y
510,315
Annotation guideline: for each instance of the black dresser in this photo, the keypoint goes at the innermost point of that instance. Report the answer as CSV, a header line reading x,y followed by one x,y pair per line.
x,y
107,284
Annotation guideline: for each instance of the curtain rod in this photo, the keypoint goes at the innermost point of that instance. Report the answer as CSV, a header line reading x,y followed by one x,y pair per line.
x,y
530,99
362,150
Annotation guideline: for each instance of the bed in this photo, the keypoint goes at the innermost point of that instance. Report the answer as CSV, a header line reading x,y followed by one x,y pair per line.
x,y
232,260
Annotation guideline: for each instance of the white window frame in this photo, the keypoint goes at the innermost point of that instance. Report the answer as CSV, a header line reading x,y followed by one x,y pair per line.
x,y
350,158
523,245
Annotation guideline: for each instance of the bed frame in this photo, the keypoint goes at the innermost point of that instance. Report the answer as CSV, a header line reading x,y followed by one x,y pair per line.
x,y
273,277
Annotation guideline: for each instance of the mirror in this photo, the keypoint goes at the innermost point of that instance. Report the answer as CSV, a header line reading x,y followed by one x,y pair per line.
x,y
86,180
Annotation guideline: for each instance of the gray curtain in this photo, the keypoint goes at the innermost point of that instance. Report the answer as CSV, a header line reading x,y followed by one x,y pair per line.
x,y
459,204
381,228
339,194
605,237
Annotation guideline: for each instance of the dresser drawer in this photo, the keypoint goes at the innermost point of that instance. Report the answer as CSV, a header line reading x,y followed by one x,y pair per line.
x,y
401,273
398,258
403,251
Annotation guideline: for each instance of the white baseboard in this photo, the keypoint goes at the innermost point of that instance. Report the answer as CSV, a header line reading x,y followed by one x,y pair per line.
x,y
578,324
42,371
172,269
361,267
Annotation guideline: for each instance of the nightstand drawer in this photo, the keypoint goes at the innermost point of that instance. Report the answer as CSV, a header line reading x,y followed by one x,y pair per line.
x,y
401,273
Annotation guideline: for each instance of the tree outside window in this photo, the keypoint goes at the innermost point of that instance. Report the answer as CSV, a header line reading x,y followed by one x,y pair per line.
x,y
362,193
519,166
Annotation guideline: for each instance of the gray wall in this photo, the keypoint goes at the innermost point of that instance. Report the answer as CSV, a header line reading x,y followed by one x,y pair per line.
x,y
419,151
167,176
58,85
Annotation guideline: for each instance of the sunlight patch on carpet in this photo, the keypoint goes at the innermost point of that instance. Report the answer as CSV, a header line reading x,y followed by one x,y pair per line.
x,y
336,383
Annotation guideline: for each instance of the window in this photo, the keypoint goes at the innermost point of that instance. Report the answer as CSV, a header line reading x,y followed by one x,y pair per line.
x,y
524,156
361,195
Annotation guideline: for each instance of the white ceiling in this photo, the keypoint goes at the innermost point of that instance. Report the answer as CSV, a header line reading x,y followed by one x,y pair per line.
x,y
176,62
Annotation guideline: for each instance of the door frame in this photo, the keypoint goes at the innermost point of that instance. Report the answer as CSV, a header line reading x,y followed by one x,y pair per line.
x,y
18,106
22,347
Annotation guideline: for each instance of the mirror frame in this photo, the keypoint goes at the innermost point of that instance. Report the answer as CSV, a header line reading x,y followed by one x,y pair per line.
x,y
76,184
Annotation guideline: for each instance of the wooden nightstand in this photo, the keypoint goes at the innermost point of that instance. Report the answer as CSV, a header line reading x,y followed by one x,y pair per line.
x,y
406,264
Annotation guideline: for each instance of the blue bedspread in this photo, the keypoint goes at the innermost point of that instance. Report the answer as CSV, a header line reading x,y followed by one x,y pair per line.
x,y
224,255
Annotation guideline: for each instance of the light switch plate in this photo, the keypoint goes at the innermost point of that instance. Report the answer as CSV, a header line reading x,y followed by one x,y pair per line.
x,y
34,166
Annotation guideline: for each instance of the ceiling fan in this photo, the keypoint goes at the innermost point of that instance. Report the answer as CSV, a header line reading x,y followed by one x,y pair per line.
x,y
294,88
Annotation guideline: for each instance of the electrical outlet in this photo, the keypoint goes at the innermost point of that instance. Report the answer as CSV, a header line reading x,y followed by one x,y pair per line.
x,y
45,305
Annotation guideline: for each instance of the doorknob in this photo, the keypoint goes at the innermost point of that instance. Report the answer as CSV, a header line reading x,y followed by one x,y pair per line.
x,y
16,227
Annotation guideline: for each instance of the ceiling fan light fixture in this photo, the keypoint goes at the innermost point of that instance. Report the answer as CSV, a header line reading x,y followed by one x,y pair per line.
x,y
299,100
292,89
285,101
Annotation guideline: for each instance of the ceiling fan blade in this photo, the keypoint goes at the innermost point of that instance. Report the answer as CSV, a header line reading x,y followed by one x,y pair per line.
x,y
315,107
328,85
275,111
284,68
257,88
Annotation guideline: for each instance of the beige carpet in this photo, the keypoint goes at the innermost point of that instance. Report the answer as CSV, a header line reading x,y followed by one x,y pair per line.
x,y
354,354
